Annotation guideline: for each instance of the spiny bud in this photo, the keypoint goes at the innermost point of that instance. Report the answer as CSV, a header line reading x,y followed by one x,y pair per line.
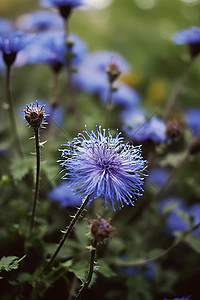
x,y
113,72
174,129
34,115
100,229
194,146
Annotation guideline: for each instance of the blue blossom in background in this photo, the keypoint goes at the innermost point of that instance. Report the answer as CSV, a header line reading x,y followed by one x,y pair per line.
x,y
191,37
192,116
149,271
92,76
40,20
12,42
64,196
50,48
5,25
100,165
52,113
64,6
138,128
124,97
182,298
174,221
158,176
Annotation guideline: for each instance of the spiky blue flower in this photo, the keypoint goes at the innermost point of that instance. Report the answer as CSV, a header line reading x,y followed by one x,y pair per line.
x,y
191,37
100,165
182,298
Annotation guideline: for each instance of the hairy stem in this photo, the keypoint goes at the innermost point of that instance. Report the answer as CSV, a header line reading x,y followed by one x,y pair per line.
x,y
176,89
90,272
66,234
11,111
162,254
37,147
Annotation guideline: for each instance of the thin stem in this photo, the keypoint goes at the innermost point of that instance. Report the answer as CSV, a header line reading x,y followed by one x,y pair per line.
x,y
11,111
90,272
176,89
162,254
66,234
108,106
37,147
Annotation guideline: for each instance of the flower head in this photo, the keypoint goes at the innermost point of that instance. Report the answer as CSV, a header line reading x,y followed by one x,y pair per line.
x,y
100,165
11,42
64,6
40,20
193,120
100,229
191,37
64,196
141,129
34,115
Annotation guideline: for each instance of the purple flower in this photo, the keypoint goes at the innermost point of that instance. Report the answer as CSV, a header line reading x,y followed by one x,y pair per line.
x,y
193,120
191,37
50,48
138,128
99,165
92,76
64,196
158,176
182,298
40,20
11,42
124,97
64,6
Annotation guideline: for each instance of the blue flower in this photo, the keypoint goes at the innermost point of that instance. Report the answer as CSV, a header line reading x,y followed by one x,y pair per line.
x,y
158,176
64,196
52,113
193,120
191,37
124,97
138,128
92,76
65,6
11,42
50,48
40,20
99,165
182,298
174,206
5,25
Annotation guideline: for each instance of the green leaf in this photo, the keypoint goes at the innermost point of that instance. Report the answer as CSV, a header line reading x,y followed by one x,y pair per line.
x,y
9,263
21,167
194,243
104,269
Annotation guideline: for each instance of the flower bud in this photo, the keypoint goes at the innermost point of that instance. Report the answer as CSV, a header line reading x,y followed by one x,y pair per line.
x,y
100,229
194,146
113,72
174,129
34,115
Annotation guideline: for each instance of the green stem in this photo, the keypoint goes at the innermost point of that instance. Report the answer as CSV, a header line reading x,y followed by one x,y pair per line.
x,y
37,147
176,89
66,234
108,107
90,273
11,111
157,257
